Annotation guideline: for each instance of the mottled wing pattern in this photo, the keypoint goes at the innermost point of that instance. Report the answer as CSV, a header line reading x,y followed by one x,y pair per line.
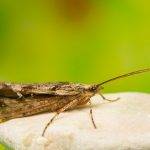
x,y
61,88
28,90
12,108
39,98
7,91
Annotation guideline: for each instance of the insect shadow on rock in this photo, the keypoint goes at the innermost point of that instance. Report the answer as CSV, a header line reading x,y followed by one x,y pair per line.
x,y
21,100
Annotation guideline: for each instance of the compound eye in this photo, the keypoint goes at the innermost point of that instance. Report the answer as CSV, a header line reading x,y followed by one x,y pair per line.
x,y
92,88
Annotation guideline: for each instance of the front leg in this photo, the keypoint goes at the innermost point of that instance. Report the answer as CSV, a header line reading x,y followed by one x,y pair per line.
x,y
110,100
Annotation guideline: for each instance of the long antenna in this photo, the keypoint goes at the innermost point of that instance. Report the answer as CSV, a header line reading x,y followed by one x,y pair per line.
x,y
126,75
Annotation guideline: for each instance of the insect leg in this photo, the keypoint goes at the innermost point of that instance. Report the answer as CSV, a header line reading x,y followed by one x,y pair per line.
x,y
67,106
91,114
110,100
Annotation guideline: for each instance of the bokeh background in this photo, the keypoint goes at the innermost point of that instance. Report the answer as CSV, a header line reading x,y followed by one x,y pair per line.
x,y
85,41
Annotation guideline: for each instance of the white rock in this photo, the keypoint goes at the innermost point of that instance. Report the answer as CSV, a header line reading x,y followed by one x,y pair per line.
x,y
122,125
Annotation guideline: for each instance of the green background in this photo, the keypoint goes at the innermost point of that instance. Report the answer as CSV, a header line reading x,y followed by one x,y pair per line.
x,y
85,41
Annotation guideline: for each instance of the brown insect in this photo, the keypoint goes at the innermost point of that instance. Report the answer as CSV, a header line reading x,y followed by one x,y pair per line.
x,y
21,100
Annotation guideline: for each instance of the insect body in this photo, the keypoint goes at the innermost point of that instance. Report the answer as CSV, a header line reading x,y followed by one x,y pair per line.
x,y
20,100
38,98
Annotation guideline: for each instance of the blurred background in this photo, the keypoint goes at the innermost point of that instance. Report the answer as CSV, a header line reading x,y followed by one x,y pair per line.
x,y
86,41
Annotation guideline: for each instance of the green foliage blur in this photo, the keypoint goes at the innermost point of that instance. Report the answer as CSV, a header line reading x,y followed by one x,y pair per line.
x,y
85,41
1,147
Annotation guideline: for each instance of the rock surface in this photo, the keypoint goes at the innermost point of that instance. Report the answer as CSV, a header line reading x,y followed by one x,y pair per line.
x,y
121,125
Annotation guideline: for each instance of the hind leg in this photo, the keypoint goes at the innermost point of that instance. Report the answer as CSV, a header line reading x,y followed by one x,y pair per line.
x,y
67,106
